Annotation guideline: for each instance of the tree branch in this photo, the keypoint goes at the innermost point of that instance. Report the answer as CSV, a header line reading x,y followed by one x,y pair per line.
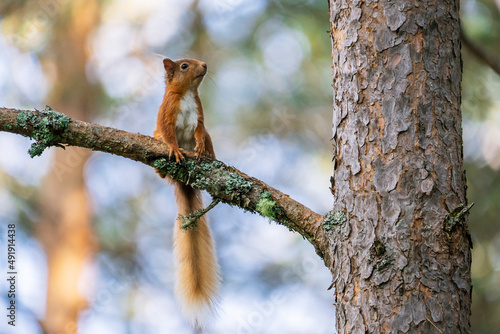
x,y
189,221
224,183
481,53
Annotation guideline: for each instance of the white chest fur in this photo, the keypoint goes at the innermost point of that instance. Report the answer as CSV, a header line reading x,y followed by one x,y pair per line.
x,y
187,120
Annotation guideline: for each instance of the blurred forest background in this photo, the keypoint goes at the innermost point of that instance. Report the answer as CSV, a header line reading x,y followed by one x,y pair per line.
x,y
94,230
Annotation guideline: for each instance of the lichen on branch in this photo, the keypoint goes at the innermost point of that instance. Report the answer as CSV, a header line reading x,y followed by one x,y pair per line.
x,y
224,183
48,127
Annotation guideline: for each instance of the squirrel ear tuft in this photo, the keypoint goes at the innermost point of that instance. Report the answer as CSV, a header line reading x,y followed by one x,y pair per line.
x,y
169,65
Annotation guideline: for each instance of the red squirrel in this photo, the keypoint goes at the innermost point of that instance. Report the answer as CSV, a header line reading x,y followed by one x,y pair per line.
x,y
180,124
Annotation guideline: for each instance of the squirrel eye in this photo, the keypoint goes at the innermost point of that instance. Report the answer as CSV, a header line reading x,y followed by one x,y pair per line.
x,y
184,66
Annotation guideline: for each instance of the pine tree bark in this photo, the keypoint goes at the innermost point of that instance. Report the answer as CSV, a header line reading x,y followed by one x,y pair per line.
x,y
402,260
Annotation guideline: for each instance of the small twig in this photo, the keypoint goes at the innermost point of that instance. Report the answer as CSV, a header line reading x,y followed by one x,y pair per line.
x,y
481,53
194,216
429,320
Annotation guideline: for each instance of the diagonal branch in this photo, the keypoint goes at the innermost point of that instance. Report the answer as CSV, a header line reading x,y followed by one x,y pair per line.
x,y
481,53
189,222
497,2
224,183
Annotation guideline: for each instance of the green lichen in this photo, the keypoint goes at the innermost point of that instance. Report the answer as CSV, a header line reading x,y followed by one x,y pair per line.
x,y
201,174
207,167
36,149
48,127
189,164
26,118
160,163
201,183
188,172
236,183
455,217
184,171
333,219
164,167
266,206
216,164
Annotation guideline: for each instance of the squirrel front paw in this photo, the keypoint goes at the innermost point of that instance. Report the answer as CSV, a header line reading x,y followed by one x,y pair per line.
x,y
177,152
200,151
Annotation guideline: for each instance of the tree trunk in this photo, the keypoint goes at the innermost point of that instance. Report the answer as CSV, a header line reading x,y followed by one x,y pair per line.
x,y
65,218
402,258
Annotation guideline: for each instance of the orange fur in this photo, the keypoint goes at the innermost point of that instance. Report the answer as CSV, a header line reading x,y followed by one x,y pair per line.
x,y
197,270
198,276
179,83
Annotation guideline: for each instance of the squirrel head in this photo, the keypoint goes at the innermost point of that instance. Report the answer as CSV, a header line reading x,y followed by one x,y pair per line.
x,y
184,74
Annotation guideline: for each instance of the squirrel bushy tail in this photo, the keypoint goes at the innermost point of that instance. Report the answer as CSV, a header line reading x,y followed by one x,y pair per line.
x,y
197,270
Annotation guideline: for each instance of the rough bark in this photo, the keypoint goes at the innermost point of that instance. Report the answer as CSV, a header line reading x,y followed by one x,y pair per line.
x,y
402,264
